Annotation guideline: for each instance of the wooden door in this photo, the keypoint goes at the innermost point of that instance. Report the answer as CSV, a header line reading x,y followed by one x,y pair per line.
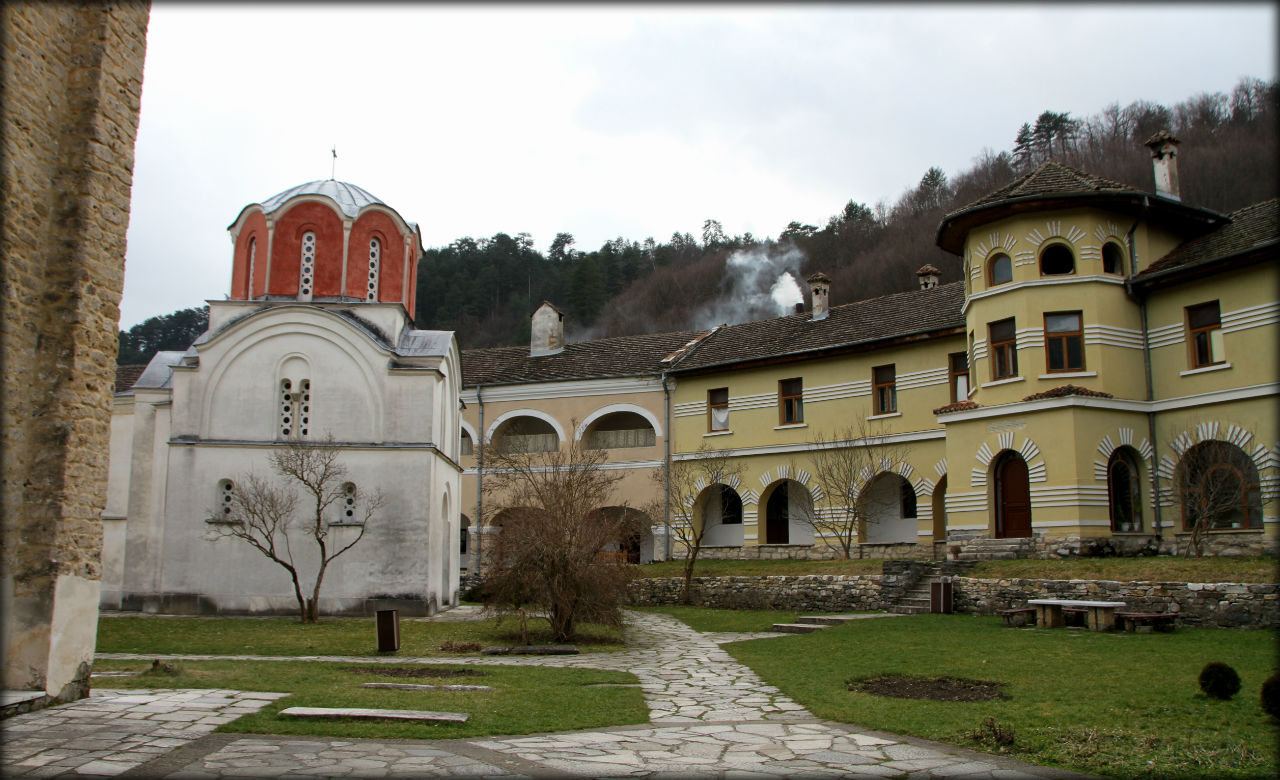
x,y
1013,498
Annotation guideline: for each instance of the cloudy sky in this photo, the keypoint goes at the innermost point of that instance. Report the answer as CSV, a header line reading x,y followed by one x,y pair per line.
x,y
616,120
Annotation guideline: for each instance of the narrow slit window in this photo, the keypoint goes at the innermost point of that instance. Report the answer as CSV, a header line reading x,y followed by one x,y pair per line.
x,y
375,261
307,274
958,370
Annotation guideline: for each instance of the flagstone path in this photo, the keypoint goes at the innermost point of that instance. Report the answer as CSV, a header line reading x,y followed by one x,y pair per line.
x,y
710,717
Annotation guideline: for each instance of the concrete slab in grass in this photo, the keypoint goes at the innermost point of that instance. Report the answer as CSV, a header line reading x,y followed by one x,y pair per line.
x,y
361,712
414,687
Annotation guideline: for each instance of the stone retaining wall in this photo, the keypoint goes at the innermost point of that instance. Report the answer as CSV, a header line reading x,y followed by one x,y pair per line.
x,y
816,592
1227,605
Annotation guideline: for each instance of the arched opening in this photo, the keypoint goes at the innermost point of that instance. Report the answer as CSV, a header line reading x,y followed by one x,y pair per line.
x,y
527,434
635,544
719,510
619,430
446,593
1124,491
940,510
1219,487
788,513
888,507
468,446
1112,259
1057,260
1012,496
999,270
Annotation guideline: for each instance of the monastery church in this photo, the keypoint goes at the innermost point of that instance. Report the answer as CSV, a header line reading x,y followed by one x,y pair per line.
x,y
1107,361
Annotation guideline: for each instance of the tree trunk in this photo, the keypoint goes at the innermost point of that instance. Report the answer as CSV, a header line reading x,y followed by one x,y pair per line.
x,y
686,590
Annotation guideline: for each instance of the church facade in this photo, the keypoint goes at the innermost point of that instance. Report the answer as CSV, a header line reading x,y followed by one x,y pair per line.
x,y
314,346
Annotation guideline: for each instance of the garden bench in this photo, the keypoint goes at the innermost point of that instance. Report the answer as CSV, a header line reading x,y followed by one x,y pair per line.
x,y
1136,621
1101,614
1018,616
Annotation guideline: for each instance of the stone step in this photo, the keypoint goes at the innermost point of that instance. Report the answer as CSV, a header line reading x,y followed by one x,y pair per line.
x,y
905,609
797,628
987,556
827,620
361,712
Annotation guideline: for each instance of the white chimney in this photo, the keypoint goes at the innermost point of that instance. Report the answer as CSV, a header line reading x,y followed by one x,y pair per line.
x,y
928,276
1164,151
546,331
819,289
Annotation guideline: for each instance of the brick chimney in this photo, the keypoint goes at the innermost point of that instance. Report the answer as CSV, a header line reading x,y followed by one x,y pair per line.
x,y
928,276
1164,151
819,289
546,331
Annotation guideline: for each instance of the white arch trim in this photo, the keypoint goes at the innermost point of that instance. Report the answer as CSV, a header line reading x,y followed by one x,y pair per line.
x,y
470,430
502,418
613,409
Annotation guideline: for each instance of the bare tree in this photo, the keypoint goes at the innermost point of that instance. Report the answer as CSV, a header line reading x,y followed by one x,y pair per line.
x,y
1217,485
548,558
844,466
262,512
688,480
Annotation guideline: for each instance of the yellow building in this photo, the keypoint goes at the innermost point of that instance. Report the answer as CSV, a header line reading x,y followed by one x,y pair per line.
x,y
1105,375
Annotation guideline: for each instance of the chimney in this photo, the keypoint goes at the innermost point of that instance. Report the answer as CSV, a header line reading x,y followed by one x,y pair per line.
x,y
819,288
928,276
800,307
1164,151
546,331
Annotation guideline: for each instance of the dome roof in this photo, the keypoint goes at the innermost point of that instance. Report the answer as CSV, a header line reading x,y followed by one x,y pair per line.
x,y
350,198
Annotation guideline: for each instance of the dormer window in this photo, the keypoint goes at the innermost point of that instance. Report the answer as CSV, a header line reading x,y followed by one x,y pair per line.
x,y
999,270
1057,260
1112,259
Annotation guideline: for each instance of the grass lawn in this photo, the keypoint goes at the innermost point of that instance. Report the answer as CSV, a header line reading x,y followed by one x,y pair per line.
x,y
1160,569
1115,704
331,636
525,700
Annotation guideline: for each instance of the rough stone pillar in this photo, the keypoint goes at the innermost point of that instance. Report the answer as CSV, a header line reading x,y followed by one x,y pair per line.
x,y
72,81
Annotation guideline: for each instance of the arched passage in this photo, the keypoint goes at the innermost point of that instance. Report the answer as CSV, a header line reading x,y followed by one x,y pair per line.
x,y
464,543
719,510
1219,487
1012,496
888,505
636,544
1124,490
788,513
940,510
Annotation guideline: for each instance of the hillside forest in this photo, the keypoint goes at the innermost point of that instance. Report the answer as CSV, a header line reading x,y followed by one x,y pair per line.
x,y
484,289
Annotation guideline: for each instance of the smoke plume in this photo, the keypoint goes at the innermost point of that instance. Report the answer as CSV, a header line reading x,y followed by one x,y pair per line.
x,y
759,283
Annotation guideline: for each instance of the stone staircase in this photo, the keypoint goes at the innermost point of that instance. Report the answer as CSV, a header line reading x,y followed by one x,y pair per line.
x,y
914,598
997,549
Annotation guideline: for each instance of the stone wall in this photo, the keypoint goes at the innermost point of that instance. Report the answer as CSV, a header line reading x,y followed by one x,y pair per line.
x,y
1227,605
72,76
817,592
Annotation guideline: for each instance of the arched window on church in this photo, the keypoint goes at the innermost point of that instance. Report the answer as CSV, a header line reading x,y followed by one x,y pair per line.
x,y
307,273
295,409
253,256
375,261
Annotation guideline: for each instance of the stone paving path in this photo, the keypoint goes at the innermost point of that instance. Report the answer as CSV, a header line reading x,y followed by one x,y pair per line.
x,y
710,717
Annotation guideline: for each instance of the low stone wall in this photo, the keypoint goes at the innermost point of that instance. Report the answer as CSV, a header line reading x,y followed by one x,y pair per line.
x,y
1227,605
1223,604
815,592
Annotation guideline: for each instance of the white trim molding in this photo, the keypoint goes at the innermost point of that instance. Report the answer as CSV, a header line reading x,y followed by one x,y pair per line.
x,y
612,409
541,415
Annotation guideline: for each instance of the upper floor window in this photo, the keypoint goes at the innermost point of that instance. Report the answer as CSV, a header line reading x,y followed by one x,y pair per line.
x,y
1112,259
884,389
999,270
1205,324
1064,341
375,259
307,274
958,375
1057,260
528,434
718,409
790,401
1004,351
621,429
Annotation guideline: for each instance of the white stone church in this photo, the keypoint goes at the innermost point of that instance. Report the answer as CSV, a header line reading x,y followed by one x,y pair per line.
x,y
314,343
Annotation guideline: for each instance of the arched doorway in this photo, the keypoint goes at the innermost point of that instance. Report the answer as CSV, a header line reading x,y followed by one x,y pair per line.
x,y
719,510
1124,491
1013,497
888,506
634,543
788,513
940,510
777,517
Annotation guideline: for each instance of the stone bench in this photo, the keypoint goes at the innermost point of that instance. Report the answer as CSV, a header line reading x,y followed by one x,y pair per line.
x,y
1143,622
360,712
1101,614
1018,616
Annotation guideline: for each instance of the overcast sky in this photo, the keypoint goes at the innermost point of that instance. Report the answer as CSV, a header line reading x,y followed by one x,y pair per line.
x,y
611,121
